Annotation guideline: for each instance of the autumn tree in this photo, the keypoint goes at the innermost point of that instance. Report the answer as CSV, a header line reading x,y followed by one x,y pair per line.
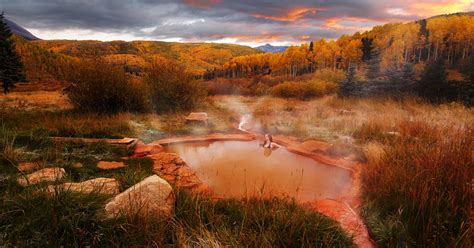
x,y
11,67
172,88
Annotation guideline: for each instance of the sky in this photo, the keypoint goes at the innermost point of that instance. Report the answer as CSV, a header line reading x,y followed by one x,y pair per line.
x,y
247,22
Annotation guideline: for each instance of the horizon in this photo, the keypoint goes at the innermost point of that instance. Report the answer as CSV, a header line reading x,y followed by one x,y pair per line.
x,y
217,21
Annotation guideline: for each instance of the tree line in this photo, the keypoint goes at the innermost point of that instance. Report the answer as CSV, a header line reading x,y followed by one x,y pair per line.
x,y
450,38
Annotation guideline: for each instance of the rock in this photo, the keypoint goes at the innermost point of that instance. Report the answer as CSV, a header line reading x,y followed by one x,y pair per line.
x,y
173,169
142,150
106,186
45,175
27,166
207,138
200,117
106,165
78,165
152,198
125,142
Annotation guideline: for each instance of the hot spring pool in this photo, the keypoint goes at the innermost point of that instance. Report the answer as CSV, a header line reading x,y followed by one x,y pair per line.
x,y
239,169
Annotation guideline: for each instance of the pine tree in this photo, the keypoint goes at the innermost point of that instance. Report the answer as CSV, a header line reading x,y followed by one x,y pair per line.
x,y
366,48
350,86
433,83
468,91
408,78
11,67
311,46
468,69
394,73
373,65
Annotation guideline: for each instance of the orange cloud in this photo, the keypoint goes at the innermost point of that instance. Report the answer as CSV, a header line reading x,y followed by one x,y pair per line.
x,y
450,6
430,8
202,3
291,15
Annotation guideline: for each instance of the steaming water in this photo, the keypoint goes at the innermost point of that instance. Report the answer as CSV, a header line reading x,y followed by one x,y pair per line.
x,y
240,169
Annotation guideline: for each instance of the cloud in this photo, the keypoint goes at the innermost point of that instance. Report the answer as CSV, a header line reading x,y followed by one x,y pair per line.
x,y
246,21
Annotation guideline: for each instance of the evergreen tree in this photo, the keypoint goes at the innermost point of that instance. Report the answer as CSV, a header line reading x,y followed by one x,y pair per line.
x,y
311,46
468,91
350,86
373,66
11,67
433,82
392,86
366,48
394,73
408,78
468,70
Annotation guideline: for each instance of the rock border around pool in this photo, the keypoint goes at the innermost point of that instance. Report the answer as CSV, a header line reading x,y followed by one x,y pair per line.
x,y
340,209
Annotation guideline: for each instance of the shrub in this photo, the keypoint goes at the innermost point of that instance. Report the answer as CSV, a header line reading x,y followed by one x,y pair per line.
x,y
222,86
330,75
303,90
172,88
97,86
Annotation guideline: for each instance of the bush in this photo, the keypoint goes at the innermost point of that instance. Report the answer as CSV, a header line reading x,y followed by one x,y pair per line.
x,y
330,75
97,86
303,90
172,88
222,86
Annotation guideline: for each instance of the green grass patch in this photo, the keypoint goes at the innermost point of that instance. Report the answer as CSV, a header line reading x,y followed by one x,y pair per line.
x,y
32,218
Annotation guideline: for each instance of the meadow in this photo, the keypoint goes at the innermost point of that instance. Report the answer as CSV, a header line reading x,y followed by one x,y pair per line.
x,y
417,166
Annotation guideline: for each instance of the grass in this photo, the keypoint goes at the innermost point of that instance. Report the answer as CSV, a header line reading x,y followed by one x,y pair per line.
x,y
416,184
416,178
67,123
422,183
32,218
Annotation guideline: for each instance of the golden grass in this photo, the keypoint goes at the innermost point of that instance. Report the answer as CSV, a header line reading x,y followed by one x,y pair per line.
x,y
329,117
419,160
31,100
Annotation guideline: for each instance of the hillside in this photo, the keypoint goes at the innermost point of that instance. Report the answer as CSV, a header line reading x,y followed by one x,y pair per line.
x,y
450,37
198,57
19,30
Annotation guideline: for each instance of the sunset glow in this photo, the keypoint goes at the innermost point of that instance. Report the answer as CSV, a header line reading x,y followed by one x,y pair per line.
x,y
243,22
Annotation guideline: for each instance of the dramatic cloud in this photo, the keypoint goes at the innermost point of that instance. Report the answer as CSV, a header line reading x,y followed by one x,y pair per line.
x,y
247,22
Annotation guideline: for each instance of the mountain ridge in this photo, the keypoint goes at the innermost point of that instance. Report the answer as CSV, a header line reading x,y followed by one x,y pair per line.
x,y
19,30
268,48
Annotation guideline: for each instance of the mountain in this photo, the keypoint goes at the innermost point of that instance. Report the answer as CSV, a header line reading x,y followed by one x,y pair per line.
x,y
19,30
271,49
135,55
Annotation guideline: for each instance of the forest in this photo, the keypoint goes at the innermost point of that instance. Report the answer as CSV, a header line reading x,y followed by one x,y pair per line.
x,y
448,37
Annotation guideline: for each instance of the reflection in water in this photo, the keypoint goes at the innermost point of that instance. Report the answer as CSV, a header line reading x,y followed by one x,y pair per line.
x,y
239,169
267,152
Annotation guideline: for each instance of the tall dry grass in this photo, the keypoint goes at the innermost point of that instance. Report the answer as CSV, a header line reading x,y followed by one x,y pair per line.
x,y
416,184
423,178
